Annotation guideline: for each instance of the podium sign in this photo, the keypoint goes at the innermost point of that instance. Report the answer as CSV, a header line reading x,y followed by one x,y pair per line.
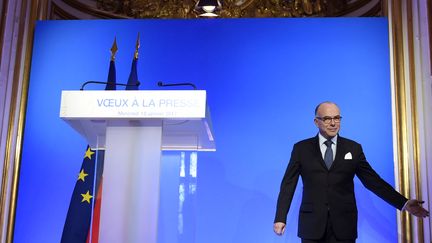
x,y
133,104
184,115
133,127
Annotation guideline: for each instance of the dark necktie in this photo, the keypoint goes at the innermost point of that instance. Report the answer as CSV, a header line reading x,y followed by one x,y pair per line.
x,y
328,156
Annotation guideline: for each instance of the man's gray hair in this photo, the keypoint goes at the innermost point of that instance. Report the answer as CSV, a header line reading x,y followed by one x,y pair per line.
x,y
324,102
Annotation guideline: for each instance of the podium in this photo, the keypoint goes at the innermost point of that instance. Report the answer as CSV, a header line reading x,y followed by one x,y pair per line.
x,y
133,127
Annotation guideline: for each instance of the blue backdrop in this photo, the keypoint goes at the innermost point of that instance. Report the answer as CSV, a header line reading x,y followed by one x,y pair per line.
x,y
263,77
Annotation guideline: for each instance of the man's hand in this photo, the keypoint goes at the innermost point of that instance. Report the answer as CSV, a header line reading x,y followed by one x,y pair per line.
x,y
414,207
279,228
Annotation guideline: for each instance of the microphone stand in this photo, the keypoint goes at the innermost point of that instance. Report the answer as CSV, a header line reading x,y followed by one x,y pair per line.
x,y
116,84
160,84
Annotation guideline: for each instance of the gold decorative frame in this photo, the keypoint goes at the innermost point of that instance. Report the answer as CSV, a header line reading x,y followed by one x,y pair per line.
x,y
114,9
429,10
406,116
30,12
400,113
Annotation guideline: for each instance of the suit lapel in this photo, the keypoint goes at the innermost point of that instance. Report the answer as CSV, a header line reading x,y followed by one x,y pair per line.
x,y
340,151
317,152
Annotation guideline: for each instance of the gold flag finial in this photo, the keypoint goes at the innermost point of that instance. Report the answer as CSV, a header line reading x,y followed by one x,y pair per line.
x,y
114,49
137,45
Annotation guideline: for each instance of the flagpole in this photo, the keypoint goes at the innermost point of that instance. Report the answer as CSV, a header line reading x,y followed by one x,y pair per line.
x,y
113,50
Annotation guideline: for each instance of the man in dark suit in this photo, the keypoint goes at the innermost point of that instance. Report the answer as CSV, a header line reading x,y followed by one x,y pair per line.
x,y
327,164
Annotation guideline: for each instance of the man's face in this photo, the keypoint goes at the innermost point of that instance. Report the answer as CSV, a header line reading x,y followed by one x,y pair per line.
x,y
327,126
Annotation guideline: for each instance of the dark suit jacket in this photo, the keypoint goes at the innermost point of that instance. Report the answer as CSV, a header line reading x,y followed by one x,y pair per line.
x,y
330,191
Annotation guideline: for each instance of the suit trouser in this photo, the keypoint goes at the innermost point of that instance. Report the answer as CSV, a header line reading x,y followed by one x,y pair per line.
x,y
329,236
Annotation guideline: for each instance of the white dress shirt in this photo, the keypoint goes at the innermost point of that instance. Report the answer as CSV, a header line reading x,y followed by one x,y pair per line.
x,y
323,147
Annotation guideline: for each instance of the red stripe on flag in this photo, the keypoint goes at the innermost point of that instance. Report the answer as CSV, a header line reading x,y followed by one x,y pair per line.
x,y
96,216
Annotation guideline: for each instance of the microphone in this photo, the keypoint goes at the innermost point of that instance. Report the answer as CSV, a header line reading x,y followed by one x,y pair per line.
x,y
116,84
160,84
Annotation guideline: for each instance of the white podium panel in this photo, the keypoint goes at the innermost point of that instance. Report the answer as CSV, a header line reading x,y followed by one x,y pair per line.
x,y
130,199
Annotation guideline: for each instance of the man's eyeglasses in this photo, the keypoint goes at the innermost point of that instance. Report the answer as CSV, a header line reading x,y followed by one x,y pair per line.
x,y
328,119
